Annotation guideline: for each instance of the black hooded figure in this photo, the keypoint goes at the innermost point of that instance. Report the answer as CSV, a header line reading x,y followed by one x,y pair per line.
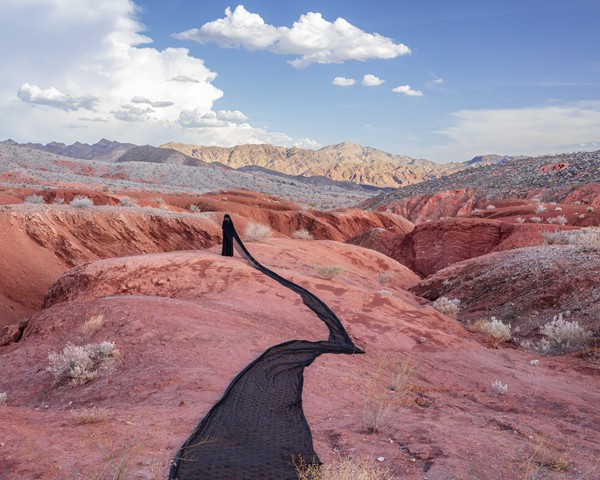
x,y
258,431
227,249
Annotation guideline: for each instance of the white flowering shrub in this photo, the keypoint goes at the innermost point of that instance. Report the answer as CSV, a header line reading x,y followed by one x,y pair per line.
x,y
81,364
447,306
560,336
499,387
302,234
496,328
81,201
126,201
36,199
256,232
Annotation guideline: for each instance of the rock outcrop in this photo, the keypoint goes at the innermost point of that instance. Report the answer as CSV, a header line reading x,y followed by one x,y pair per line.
x,y
525,287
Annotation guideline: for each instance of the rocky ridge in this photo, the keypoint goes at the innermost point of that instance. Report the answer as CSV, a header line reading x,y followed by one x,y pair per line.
x,y
343,162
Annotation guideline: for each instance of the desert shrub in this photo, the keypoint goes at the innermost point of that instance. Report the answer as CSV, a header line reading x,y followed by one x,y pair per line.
x,y
344,469
535,219
491,207
384,277
499,387
560,336
126,201
383,291
36,199
81,201
3,398
92,325
560,219
495,328
59,201
447,306
589,209
257,232
195,208
302,234
81,364
520,220
558,209
540,208
328,272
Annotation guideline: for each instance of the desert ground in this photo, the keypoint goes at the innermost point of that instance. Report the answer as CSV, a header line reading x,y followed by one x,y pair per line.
x,y
437,396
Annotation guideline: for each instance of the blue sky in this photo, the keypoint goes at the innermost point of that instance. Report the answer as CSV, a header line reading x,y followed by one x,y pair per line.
x,y
436,79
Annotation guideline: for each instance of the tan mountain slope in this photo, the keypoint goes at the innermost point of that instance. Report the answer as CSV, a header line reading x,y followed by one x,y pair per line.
x,y
343,162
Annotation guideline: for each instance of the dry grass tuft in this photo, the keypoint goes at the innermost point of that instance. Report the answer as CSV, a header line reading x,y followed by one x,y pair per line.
x,y
329,272
92,325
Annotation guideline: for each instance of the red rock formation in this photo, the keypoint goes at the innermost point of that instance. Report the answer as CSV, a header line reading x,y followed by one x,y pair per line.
x,y
435,245
554,167
525,287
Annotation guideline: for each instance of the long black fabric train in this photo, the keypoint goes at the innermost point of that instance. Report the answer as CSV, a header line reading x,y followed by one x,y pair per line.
x,y
258,431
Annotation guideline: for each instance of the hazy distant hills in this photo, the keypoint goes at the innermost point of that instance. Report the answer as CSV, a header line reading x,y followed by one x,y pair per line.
x,y
104,150
343,162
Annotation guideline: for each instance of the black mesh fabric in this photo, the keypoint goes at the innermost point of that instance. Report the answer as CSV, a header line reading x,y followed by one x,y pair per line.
x,y
258,431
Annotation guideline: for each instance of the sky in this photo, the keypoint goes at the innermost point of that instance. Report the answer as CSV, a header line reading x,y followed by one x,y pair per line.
x,y
435,79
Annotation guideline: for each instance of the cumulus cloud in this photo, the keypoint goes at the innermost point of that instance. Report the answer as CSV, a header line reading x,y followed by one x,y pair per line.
x,y
438,80
343,82
371,80
52,97
78,70
406,90
312,38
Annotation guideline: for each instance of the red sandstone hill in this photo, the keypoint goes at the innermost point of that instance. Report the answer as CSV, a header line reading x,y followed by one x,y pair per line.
x,y
186,323
432,246
41,241
525,287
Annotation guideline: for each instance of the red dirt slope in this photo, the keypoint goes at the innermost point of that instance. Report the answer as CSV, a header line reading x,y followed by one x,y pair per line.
x,y
193,320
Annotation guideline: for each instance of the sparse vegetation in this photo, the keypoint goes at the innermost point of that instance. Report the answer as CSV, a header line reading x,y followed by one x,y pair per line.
x,y
535,219
329,272
384,278
302,234
195,208
495,328
126,201
92,325
3,399
35,199
81,201
447,306
89,416
80,364
499,387
384,391
588,238
257,232
560,336
344,468
520,220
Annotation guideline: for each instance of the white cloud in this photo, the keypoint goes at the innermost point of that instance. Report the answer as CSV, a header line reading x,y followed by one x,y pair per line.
x,y
343,82
76,70
155,104
371,80
438,80
53,98
520,131
406,90
313,38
